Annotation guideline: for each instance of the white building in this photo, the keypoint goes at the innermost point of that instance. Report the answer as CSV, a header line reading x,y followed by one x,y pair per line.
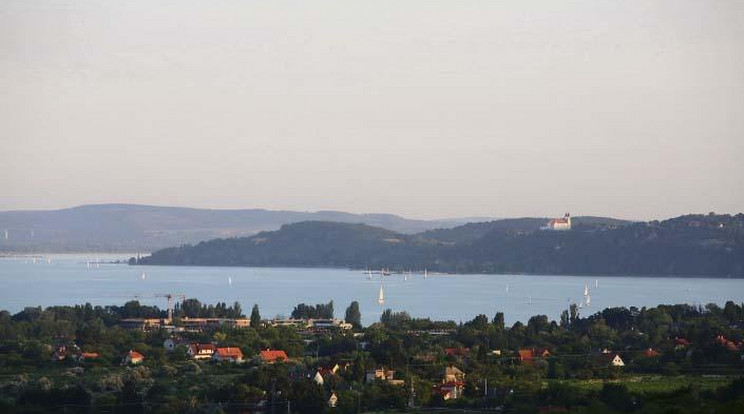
x,y
559,223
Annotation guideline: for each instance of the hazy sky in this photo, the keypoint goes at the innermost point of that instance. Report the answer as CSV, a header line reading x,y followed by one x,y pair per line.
x,y
427,108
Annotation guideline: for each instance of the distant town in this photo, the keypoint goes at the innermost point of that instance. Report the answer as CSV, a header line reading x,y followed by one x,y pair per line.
x,y
194,357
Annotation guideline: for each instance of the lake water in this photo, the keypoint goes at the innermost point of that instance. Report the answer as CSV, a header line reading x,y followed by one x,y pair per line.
x,y
68,280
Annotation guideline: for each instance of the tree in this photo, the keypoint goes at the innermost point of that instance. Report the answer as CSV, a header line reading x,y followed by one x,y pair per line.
x,y
255,317
498,321
237,310
353,315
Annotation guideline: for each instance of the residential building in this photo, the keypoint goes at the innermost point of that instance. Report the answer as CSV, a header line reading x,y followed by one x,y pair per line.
x,y
453,383
382,374
270,356
201,351
133,358
231,354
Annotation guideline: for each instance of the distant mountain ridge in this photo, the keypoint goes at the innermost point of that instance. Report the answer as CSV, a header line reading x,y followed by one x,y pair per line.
x,y
132,227
694,245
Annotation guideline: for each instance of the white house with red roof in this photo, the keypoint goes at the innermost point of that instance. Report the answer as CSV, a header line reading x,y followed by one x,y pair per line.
x,y
133,358
231,354
201,351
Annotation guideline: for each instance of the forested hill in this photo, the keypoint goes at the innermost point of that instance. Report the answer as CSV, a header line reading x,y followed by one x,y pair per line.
x,y
693,245
133,228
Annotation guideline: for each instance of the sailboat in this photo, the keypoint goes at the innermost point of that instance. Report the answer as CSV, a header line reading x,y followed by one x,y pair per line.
x,y
381,296
369,274
144,276
596,283
586,289
588,300
426,274
229,280
507,288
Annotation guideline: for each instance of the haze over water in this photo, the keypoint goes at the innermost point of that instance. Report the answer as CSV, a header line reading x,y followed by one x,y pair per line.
x,y
67,280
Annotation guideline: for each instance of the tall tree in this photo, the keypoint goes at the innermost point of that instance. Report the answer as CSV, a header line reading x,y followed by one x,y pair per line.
x,y
255,317
353,315
237,310
498,321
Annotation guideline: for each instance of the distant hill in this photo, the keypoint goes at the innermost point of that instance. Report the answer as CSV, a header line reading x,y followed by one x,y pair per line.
x,y
132,228
694,245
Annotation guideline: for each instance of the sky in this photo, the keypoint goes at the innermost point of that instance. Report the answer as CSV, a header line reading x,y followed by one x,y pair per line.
x,y
427,109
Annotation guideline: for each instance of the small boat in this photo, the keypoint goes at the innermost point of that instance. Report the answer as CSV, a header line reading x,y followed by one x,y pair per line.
x,y
426,274
385,272
381,295
143,276
369,274
229,280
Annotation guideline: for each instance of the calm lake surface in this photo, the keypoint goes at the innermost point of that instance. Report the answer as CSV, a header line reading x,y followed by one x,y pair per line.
x,y
69,280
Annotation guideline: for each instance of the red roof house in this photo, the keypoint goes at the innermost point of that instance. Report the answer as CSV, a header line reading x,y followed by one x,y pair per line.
x,y
650,353
231,354
271,356
133,357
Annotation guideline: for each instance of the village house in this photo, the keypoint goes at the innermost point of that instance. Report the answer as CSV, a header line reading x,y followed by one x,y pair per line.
x,y
231,354
200,351
332,400
382,374
610,359
453,383
681,343
318,378
528,356
60,353
269,356
133,358
729,345
87,356
650,353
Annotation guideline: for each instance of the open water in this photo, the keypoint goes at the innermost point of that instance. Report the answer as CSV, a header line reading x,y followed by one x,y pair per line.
x,y
69,279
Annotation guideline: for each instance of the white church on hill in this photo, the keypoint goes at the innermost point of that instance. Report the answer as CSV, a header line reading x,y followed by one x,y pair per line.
x,y
559,223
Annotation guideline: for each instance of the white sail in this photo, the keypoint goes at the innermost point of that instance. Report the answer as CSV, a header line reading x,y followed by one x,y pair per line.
x,y
588,300
596,283
381,296
426,274
229,280
586,289
507,288
144,276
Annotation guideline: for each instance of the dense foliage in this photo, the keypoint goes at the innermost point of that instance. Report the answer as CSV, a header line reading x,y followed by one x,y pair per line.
x,y
700,374
695,245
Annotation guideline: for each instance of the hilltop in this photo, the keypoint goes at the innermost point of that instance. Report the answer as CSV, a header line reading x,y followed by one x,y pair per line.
x,y
693,245
143,228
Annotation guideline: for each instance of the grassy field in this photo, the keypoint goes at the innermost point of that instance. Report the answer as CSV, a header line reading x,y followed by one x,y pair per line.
x,y
658,383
